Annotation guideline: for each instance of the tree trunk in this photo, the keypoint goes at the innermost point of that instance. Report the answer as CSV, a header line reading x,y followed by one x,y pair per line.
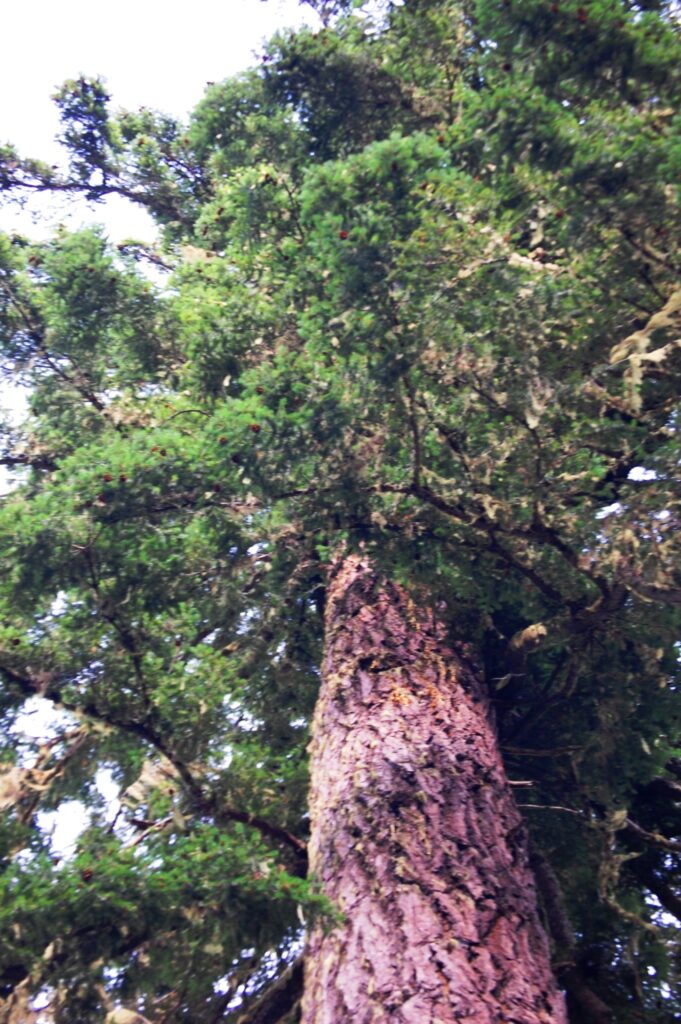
x,y
415,834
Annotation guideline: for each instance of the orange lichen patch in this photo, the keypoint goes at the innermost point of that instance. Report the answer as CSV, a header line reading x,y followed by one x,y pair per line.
x,y
434,695
401,695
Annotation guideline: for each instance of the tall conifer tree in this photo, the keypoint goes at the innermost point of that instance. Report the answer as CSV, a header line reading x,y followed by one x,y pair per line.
x,y
382,454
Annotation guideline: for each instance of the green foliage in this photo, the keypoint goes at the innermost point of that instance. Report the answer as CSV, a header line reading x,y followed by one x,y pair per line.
x,y
87,131
420,300
336,84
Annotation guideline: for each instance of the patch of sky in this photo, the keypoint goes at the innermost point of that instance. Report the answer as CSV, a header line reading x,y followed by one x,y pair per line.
x,y
39,720
109,790
64,826
240,718
13,409
42,1001
185,56
609,510
640,473
267,969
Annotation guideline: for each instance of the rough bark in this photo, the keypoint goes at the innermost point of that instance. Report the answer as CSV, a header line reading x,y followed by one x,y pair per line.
x,y
415,833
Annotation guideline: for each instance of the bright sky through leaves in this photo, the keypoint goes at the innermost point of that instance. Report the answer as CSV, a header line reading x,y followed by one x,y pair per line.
x,y
149,53
164,63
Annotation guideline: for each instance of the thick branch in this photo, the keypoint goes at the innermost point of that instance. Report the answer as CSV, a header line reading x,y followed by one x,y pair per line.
x,y
650,838
668,897
592,1009
268,829
35,462
511,559
664,787
90,191
277,1000
663,595
31,686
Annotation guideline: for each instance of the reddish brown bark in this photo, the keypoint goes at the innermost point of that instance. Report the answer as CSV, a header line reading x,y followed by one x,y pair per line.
x,y
415,834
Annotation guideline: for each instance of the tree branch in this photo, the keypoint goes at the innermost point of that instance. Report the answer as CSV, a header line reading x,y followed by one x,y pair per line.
x,y
277,1000
668,897
34,462
32,686
592,1009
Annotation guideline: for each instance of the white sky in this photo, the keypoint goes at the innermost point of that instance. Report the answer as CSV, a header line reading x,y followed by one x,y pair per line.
x,y
150,53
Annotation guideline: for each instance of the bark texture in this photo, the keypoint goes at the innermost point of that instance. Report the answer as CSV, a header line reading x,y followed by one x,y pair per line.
x,y
415,833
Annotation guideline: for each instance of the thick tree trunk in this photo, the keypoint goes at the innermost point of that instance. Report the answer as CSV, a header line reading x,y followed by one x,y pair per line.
x,y
415,834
